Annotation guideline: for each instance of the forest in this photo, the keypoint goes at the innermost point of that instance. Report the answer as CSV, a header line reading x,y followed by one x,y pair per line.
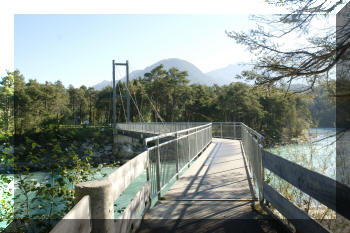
x,y
165,96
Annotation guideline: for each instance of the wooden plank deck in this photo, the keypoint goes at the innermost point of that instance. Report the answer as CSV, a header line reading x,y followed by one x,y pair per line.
x,y
215,193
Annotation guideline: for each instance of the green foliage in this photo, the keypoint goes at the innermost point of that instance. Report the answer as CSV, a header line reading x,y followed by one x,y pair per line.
x,y
6,102
163,95
39,201
323,106
33,112
310,60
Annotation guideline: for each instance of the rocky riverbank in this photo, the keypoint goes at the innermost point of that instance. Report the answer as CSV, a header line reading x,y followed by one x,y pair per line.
x,y
100,153
126,148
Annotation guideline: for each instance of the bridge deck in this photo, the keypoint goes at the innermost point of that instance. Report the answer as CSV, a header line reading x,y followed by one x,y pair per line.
x,y
214,193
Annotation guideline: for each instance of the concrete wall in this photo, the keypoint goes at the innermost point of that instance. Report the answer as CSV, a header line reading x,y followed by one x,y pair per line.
x,y
77,220
103,193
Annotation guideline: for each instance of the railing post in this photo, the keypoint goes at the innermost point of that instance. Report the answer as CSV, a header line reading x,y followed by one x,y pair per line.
x,y
221,128
261,189
158,170
205,135
189,148
241,129
211,132
234,131
148,172
196,141
177,156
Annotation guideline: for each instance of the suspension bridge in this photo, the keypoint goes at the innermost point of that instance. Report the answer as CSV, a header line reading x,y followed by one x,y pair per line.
x,y
201,177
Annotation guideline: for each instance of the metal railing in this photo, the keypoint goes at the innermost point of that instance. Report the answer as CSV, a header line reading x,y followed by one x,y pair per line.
x,y
167,155
170,153
325,190
233,130
252,146
157,127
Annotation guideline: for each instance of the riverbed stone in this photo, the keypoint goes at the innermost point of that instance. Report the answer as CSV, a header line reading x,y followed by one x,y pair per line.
x,y
127,151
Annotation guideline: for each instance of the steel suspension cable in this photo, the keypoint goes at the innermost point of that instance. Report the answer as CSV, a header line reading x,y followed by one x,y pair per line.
x,y
121,99
128,92
120,94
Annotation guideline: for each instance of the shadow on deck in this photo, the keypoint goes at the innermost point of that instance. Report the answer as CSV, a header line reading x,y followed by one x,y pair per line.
x,y
214,195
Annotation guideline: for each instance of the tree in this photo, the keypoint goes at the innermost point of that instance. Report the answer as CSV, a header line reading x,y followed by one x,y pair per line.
x,y
322,105
72,101
6,102
310,62
176,85
200,104
104,105
156,89
21,102
92,97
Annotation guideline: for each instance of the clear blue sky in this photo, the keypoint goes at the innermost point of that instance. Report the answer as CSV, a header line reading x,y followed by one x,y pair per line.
x,y
79,49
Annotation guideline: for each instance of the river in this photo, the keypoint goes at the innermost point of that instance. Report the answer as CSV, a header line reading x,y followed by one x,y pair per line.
x,y
317,154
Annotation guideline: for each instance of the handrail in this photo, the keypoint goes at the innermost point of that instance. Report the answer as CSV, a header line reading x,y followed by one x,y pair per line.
x,y
103,193
258,135
167,158
164,135
324,189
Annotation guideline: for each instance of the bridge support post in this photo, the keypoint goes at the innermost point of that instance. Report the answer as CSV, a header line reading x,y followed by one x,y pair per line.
x,y
102,204
115,132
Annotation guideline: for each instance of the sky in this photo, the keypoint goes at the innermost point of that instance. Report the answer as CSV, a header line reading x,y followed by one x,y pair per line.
x,y
79,49
76,41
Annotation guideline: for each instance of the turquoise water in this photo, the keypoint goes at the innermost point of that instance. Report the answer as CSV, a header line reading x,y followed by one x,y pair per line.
x,y
119,204
317,154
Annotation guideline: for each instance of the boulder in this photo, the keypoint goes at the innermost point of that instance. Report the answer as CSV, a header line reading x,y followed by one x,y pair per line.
x,y
127,151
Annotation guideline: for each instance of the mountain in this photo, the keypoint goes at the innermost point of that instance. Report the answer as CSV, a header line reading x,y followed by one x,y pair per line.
x,y
221,76
226,75
103,84
195,75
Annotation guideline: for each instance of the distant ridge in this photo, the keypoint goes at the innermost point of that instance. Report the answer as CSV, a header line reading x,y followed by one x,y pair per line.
x,y
223,76
227,75
103,84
